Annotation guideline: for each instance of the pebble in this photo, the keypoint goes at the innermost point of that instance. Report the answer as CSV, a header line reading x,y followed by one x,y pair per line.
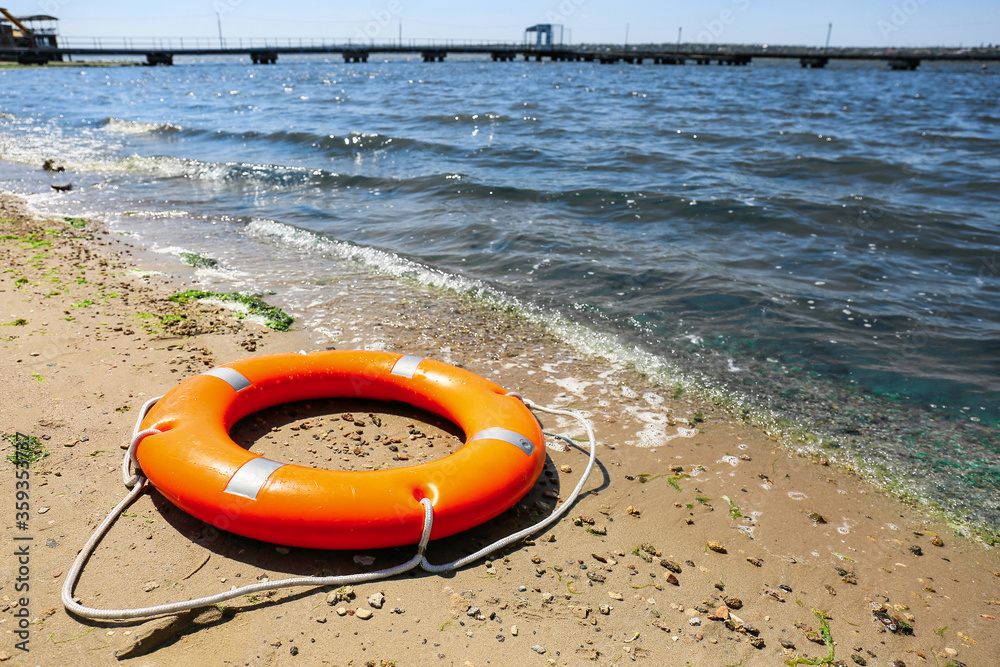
x,y
539,649
364,614
284,551
717,547
341,611
694,620
566,469
615,596
345,594
376,600
150,586
513,631
671,565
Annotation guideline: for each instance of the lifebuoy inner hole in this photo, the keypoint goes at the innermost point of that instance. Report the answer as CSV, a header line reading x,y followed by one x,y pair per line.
x,y
348,434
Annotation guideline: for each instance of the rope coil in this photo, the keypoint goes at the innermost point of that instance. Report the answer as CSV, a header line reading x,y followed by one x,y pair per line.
x,y
136,482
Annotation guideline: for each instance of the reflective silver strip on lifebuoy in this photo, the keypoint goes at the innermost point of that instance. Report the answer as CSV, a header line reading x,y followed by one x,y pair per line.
x,y
513,437
235,379
407,366
250,478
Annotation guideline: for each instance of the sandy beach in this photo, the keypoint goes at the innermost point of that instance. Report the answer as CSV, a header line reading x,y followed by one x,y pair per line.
x,y
698,540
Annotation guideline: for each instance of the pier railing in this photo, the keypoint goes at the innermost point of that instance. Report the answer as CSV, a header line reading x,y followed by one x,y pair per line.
x,y
244,43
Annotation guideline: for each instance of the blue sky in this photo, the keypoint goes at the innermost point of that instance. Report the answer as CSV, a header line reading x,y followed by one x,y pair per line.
x,y
855,22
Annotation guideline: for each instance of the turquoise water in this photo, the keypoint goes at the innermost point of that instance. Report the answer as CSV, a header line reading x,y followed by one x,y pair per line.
x,y
794,240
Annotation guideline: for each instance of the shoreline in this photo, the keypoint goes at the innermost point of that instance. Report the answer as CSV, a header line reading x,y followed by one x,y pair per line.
x,y
79,381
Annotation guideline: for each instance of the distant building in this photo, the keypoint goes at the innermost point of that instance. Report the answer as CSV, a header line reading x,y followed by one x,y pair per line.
x,y
29,32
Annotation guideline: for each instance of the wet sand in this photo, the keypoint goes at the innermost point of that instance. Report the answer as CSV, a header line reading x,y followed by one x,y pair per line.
x,y
698,539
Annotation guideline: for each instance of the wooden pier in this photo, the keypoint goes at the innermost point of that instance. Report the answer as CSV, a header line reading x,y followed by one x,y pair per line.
x,y
264,54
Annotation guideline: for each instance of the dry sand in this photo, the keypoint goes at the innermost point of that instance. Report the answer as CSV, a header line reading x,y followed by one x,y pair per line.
x,y
629,576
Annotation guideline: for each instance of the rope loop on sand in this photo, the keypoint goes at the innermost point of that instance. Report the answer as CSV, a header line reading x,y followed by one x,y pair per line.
x,y
136,482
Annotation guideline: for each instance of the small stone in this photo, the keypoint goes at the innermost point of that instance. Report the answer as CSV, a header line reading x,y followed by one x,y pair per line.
x,y
733,602
671,565
566,469
294,650
595,577
672,580
858,660
539,649
694,620
816,516
581,612
344,594
756,562
787,644
605,609
937,541
364,614
916,550
284,551
716,547
150,586
341,611
599,530
632,511
721,614
376,600
155,633
513,631
615,596
756,642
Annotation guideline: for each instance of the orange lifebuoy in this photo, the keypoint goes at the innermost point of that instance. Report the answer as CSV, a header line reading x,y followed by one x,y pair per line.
x,y
196,465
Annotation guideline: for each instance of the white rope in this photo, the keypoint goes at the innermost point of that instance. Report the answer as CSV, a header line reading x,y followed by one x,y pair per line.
x,y
552,518
137,482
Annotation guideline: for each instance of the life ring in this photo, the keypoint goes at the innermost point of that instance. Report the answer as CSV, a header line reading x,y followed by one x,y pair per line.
x,y
197,466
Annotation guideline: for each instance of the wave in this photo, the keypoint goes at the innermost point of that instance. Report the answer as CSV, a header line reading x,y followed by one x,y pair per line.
x,y
137,127
466,118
